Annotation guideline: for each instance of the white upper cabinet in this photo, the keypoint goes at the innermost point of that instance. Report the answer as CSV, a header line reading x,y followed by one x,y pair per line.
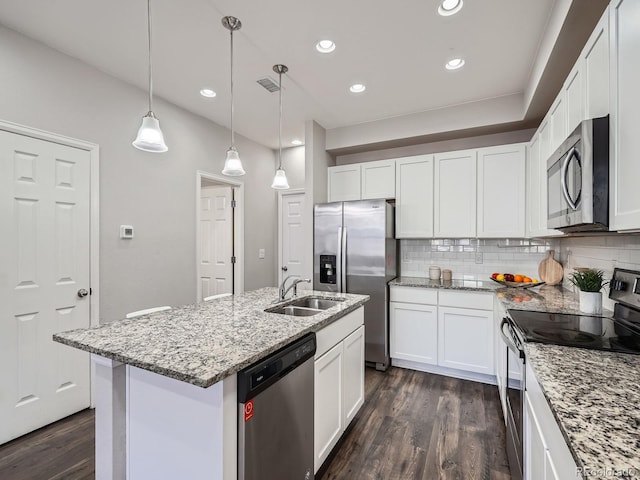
x,y
537,185
557,123
378,179
574,97
596,70
414,197
625,122
455,194
343,183
501,191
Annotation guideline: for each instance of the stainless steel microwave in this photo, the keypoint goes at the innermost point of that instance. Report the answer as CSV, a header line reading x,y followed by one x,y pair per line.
x,y
578,179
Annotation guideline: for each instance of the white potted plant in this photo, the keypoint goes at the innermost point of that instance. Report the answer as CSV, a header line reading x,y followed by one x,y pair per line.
x,y
590,283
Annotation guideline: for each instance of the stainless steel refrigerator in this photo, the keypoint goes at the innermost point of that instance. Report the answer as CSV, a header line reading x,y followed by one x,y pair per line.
x,y
355,252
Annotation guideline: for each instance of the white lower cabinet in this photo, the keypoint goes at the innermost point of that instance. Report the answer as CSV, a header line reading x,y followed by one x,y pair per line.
x,y
328,424
448,333
465,337
353,375
546,454
413,332
339,381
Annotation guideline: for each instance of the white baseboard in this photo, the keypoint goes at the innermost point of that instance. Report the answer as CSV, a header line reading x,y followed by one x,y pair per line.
x,y
445,371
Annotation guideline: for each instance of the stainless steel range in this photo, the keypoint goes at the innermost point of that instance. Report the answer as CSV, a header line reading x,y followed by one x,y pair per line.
x,y
619,333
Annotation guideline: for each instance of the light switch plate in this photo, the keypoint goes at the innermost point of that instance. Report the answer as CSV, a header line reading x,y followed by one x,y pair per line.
x,y
261,253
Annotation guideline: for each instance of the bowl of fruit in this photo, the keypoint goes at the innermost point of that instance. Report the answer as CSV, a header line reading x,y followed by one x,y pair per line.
x,y
516,281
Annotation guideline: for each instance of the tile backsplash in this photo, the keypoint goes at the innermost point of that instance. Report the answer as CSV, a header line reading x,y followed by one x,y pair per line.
x,y
604,252
472,257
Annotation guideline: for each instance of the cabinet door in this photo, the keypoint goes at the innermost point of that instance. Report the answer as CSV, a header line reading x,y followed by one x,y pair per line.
x,y
353,380
343,183
327,406
465,339
574,97
414,197
533,187
544,136
501,191
455,194
534,446
625,122
596,70
557,123
414,332
378,179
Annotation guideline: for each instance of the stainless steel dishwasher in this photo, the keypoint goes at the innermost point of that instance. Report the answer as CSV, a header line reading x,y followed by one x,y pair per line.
x,y
275,415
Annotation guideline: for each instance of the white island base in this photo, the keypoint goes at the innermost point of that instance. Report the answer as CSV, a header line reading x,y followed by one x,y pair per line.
x,y
149,426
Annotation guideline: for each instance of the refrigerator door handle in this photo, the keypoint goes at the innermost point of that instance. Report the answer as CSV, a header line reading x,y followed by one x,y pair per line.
x,y
343,261
339,260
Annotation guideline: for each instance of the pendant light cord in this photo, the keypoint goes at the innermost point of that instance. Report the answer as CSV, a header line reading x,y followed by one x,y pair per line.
x,y
280,124
150,56
232,136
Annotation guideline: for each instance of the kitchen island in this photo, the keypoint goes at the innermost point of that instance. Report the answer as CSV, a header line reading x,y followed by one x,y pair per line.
x,y
165,384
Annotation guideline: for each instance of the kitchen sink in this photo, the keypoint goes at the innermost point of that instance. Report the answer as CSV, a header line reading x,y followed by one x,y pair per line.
x,y
294,311
305,307
317,303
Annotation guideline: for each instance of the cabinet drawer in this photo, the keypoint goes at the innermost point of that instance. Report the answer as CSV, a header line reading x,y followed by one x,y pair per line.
x,y
481,301
425,296
337,331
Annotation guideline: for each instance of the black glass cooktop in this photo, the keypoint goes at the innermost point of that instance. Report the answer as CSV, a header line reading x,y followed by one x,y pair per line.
x,y
600,333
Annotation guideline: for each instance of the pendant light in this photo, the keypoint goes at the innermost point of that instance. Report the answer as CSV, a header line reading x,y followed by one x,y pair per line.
x,y
150,138
232,164
280,179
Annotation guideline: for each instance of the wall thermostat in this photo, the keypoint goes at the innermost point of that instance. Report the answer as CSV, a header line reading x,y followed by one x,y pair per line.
x,y
126,231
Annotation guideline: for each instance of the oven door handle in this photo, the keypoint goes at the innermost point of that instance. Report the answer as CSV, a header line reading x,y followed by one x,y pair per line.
x,y
510,344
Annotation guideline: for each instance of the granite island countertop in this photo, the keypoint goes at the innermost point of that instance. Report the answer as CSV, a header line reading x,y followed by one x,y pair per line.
x,y
206,342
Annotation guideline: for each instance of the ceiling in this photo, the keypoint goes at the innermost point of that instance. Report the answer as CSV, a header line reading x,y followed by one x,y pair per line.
x,y
398,49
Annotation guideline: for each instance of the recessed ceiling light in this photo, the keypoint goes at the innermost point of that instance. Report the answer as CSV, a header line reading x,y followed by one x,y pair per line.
x,y
325,46
449,7
207,92
296,142
454,64
357,88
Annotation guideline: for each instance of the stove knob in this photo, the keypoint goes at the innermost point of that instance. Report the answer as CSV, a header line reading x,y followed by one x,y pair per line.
x,y
618,285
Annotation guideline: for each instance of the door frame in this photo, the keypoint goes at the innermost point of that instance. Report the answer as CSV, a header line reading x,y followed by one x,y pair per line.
x,y
283,193
238,228
94,207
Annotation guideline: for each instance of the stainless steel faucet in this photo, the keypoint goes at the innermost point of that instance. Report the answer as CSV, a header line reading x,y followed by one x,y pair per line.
x,y
294,286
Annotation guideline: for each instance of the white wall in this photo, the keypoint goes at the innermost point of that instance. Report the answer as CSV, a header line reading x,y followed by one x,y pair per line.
x,y
293,164
155,193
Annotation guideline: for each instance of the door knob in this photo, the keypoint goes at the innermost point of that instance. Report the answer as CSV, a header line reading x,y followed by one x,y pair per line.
x,y
83,292
285,268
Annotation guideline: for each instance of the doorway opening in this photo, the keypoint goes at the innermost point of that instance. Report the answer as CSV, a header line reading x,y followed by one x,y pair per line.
x,y
219,235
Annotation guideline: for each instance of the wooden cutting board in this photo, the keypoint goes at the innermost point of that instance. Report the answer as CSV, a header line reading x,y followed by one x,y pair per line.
x,y
550,270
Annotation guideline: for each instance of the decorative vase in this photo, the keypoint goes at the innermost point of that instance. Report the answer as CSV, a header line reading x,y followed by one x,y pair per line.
x,y
591,302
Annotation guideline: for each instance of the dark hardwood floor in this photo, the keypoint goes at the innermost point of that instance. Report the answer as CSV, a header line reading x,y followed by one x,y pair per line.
x,y
416,426
413,426
63,450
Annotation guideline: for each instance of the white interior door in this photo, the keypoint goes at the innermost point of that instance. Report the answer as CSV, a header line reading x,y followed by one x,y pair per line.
x,y
292,258
44,258
216,241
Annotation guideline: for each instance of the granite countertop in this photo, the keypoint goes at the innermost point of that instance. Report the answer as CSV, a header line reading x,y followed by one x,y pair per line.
x,y
595,397
482,284
206,342
546,298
